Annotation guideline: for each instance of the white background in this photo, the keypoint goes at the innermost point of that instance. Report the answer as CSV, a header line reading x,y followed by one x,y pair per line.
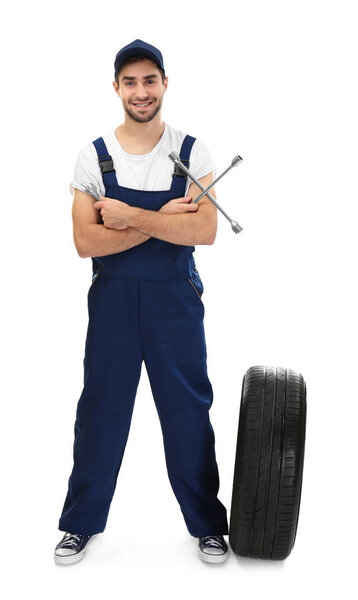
x,y
275,82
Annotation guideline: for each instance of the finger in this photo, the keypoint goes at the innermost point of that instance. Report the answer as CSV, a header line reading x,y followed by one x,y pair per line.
x,y
185,200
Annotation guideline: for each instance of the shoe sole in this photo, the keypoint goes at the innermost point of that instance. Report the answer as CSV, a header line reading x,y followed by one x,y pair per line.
x,y
72,558
212,558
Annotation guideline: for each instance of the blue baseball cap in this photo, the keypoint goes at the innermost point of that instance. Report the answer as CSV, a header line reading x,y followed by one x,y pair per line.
x,y
138,47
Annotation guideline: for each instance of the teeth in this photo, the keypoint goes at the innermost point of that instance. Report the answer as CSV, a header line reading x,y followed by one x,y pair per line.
x,y
146,104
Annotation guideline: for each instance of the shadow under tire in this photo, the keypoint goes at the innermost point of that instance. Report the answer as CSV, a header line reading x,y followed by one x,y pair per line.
x,y
269,461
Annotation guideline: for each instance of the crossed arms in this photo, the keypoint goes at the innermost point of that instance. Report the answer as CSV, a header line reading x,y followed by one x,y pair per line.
x,y
137,225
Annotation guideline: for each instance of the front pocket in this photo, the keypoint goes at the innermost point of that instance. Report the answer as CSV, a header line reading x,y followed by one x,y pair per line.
x,y
195,288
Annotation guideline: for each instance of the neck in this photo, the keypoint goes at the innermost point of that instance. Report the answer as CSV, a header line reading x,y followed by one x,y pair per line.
x,y
146,132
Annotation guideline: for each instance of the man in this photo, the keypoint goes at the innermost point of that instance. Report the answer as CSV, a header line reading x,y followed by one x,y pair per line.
x,y
144,303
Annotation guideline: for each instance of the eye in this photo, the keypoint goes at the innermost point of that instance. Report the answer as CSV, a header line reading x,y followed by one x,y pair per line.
x,y
128,82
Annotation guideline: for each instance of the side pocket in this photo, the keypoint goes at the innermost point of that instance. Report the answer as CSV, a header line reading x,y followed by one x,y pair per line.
x,y
94,278
199,295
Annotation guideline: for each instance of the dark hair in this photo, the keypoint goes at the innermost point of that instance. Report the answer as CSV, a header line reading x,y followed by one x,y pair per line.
x,y
133,59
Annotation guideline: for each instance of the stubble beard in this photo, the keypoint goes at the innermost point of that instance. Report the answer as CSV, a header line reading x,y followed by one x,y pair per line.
x,y
145,118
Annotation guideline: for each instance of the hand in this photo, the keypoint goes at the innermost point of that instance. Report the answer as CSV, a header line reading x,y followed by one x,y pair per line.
x,y
179,205
114,213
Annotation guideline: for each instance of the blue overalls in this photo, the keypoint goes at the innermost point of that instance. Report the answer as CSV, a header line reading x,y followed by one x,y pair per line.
x,y
145,304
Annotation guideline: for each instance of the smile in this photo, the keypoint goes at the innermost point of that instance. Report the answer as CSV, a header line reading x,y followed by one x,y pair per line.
x,y
143,105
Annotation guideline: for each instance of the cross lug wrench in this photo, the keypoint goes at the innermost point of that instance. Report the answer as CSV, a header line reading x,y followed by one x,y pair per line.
x,y
174,156
235,161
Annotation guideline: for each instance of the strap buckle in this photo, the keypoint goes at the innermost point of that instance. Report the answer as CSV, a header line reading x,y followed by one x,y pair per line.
x,y
178,171
106,164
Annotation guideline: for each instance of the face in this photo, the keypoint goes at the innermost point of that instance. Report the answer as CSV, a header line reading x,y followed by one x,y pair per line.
x,y
139,83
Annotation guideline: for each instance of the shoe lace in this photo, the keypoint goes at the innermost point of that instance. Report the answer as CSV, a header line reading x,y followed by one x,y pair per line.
x,y
71,540
215,540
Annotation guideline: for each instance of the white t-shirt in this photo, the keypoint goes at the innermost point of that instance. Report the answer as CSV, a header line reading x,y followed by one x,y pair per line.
x,y
151,172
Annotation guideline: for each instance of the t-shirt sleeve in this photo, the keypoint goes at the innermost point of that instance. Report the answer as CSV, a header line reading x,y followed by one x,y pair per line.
x,y
201,162
87,170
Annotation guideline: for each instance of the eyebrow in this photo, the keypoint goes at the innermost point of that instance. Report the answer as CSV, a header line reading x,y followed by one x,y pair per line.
x,y
145,77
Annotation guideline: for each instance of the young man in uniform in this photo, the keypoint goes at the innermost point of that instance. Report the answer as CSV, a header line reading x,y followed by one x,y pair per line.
x,y
144,303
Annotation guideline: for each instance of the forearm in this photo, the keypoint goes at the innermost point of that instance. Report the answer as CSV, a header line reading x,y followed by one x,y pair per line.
x,y
101,240
183,229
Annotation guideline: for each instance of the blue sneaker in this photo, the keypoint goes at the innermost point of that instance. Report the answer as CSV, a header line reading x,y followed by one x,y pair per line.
x,y
213,549
71,548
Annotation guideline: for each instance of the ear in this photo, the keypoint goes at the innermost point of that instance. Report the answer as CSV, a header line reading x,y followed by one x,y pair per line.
x,y
116,88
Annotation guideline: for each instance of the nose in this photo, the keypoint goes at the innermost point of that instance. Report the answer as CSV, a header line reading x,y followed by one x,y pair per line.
x,y
141,93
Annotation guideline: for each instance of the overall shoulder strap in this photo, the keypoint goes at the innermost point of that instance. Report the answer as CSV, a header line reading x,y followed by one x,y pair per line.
x,y
179,177
105,163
